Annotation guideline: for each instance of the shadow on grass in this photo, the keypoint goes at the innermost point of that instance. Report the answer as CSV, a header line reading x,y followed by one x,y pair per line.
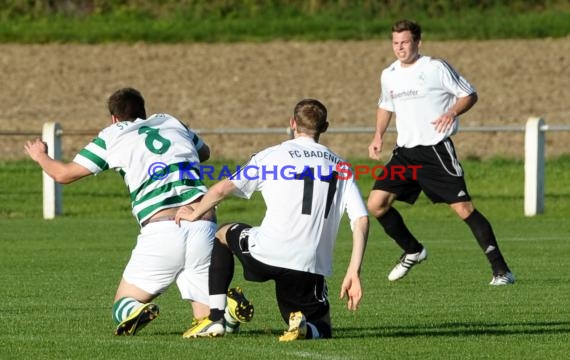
x,y
459,329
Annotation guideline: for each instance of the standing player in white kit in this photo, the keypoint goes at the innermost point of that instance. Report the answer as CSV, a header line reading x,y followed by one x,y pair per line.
x,y
426,95
154,156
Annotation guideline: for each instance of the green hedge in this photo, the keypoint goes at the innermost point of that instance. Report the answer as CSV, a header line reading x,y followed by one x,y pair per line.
x,y
94,21
199,9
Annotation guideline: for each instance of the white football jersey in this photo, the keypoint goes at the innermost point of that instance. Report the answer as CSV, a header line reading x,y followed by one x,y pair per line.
x,y
155,156
305,202
420,94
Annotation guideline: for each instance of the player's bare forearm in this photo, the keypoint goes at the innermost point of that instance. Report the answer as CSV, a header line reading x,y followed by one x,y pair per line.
x,y
212,198
382,121
464,104
359,240
351,287
63,173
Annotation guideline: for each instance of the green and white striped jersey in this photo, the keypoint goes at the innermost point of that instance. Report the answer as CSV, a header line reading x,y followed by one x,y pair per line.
x,y
156,157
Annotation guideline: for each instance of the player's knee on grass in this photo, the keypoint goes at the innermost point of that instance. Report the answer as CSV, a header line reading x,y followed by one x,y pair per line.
x,y
323,327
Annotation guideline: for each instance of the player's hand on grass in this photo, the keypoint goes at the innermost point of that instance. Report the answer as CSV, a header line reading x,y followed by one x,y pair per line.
x,y
35,149
352,290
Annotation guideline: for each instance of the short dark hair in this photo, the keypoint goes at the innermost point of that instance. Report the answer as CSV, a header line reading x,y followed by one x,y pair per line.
x,y
408,25
311,116
127,104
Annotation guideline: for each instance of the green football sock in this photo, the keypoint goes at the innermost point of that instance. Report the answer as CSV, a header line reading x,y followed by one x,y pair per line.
x,y
124,307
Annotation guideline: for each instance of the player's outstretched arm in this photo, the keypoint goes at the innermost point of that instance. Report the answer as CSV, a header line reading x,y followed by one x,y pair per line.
x,y
351,286
63,173
212,198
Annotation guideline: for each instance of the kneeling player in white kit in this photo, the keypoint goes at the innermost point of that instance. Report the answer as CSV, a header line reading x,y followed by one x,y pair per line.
x,y
293,246
154,156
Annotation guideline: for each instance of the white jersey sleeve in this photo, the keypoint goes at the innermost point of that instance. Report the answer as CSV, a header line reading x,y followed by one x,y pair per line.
x,y
452,80
94,155
247,178
385,100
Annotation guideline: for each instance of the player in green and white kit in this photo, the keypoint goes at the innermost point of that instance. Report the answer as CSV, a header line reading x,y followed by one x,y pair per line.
x,y
154,156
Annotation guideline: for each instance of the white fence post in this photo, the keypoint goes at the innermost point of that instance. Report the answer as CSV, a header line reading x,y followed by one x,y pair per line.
x,y
534,167
51,132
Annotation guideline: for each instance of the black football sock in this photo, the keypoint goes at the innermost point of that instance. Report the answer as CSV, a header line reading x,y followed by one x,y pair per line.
x,y
221,272
394,226
483,232
318,329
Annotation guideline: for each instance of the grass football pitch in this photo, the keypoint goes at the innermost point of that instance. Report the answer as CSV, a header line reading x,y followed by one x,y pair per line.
x,y
58,279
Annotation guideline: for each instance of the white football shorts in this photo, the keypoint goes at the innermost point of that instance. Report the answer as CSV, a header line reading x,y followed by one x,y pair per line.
x,y
166,252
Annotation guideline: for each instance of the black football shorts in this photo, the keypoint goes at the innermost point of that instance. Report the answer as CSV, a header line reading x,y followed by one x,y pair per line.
x,y
434,170
295,290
